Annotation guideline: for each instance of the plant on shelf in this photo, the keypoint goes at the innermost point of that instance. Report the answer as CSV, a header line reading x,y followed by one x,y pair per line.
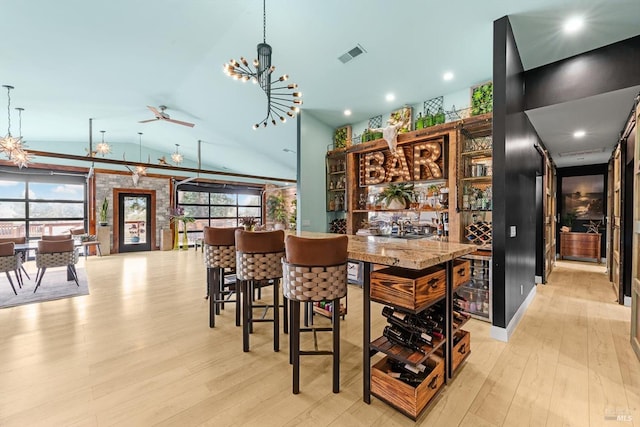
x,y
482,99
104,210
397,196
568,219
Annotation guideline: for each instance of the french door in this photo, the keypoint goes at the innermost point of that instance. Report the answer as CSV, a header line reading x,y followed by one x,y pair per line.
x,y
134,222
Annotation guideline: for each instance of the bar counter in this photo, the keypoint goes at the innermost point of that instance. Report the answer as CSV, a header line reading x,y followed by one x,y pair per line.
x,y
415,254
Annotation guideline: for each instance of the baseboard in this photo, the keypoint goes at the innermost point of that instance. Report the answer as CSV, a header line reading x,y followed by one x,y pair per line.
x,y
627,301
503,334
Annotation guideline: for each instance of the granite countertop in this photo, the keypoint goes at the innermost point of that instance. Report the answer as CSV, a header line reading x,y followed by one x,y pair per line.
x,y
414,254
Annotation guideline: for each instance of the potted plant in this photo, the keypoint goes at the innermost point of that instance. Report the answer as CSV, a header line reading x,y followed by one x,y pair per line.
x,y
568,218
248,222
276,210
397,196
104,210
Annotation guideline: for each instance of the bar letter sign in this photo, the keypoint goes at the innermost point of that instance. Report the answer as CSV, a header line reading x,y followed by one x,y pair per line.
x,y
415,162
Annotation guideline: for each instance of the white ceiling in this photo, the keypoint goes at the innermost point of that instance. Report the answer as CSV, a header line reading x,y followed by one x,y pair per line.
x,y
70,60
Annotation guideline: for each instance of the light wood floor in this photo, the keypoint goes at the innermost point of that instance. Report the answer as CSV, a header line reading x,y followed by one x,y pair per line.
x,y
138,351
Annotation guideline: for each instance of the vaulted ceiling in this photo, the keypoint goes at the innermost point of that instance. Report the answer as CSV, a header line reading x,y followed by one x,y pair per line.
x,y
71,60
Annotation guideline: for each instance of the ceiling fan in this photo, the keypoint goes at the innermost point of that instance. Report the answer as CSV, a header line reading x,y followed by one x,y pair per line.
x,y
161,115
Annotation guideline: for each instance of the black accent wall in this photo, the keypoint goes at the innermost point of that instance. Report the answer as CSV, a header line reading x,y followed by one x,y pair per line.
x,y
613,67
515,165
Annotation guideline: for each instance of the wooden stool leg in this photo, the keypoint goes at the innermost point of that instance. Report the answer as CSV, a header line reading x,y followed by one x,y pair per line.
x,y
276,315
238,308
215,286
246,308
212,303
290,304
335,318
285,317
221,288
295,338
251,289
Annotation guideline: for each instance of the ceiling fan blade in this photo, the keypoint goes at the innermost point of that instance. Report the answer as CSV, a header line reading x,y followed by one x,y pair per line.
x,y
180,122
154,111
147,121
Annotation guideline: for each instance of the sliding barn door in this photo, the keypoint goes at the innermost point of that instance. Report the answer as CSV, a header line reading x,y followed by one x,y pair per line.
x,y
635,285
616,211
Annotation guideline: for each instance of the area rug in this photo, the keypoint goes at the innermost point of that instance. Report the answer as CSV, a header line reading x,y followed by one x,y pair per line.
x,y
54,286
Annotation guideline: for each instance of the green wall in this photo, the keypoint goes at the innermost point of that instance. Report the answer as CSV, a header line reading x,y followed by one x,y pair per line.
x,y
313,138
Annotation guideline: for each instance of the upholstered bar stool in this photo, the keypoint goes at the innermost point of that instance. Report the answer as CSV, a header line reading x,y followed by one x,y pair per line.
x,y
220,261
258,260
315,270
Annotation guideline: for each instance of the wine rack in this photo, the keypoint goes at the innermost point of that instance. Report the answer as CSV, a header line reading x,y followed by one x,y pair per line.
x,y
479,233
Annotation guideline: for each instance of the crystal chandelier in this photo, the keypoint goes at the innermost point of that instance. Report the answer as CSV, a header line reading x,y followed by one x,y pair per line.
x,y
281,102
177,157
102,147
11,146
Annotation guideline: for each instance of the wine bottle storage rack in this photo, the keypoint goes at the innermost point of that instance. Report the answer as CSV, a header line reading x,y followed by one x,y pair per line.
x,y
479,233
404,354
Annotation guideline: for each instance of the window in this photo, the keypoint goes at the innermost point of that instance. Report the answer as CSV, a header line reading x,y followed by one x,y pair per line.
x,y
217,206
37,203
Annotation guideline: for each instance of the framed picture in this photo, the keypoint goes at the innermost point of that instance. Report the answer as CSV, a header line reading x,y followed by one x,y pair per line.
x,y
583,196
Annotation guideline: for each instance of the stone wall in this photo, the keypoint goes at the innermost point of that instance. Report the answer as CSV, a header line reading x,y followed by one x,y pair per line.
x,y
106,182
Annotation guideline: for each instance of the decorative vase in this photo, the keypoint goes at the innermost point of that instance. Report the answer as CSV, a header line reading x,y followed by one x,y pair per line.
x,y
185,238
176,240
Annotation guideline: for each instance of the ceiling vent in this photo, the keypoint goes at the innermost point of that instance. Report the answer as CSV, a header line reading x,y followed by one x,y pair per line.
x,y
352,53
582,152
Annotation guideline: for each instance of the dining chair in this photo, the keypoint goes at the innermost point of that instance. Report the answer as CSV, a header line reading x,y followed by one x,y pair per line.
x,y
56,253
10,261
18,241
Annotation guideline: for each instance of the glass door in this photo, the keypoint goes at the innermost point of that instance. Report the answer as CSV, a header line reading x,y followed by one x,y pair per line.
x,y
134,223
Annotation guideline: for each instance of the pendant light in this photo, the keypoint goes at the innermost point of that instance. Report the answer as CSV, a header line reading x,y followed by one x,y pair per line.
x,y
102,147
177,157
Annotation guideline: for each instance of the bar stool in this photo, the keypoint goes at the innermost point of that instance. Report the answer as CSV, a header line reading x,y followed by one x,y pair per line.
x,y
220,261
315,270
258,260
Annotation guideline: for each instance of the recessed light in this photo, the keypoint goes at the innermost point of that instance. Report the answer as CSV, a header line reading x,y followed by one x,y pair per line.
x,y
573,24
447,76
390,97
579,133
347,112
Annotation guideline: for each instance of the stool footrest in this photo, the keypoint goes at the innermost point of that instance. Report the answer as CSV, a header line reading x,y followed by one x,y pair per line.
x,y
260,320
323,329
315,353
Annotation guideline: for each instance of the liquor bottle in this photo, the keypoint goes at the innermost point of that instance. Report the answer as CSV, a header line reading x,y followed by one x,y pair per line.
x,y
428,119
439,117
419,122
332,204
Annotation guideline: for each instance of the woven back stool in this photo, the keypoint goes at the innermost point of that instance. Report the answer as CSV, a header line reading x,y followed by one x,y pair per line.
x,y
220,260
258,261
315,270
10,261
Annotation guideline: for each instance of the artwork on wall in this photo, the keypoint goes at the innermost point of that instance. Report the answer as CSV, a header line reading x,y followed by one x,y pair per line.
x,y
583,197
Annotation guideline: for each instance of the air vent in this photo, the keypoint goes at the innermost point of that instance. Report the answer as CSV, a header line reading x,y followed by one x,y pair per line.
x,y
582,152
352,53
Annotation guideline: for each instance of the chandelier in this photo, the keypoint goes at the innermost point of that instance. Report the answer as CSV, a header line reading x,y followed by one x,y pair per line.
x,y
102,147
177,157
281,102
11,146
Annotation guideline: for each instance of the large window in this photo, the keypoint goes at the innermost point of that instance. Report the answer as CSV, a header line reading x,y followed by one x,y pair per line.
x,y
217,206
37,203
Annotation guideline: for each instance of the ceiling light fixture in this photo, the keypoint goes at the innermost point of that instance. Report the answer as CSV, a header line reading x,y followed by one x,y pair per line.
x,y
102,147
177,157
579,133
390,97
447,76
573,24
11,146
139,170
279,105
347,112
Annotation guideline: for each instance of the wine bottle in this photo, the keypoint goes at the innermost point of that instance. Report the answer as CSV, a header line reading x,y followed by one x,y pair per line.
x,y
399,336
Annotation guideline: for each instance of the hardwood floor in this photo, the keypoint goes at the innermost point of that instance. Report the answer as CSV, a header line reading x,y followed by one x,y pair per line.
x,y
138,351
